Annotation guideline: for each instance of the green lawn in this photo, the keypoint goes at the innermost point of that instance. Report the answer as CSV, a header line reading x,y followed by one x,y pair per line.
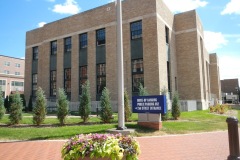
x,y
190,122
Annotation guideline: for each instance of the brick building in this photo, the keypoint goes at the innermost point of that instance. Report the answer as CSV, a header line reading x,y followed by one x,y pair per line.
x,y
161,50
11,74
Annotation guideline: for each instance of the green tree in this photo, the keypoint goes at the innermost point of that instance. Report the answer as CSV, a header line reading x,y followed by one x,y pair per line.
x,y
175,106
6,104
106,108
16,107
30,105
85,102
39,110
142,90
62,106
127,107
2,108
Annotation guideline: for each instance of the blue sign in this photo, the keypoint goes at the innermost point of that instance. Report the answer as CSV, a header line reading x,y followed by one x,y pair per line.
x,y
149,104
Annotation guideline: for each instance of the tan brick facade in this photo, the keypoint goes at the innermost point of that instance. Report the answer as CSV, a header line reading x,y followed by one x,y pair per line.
x,y
189,61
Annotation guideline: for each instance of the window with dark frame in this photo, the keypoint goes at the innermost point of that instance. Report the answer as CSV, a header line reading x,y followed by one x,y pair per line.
x,y
34,84
83,42
67,45
100,37
2,82
53,47
136,29
137,74
101,77
67,81
53,83
167,34
82,77
35,53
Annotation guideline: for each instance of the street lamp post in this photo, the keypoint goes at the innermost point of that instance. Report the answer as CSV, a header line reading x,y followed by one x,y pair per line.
x,y
121,125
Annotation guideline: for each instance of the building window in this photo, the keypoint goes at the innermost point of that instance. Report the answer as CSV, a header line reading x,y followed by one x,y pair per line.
x,y
167,34
2,82
101,38
17,65
53,83
67,82
82,77
6,72
101,77
17,73
137,74
53,47
83,40
136,30
35,53
17,84
7,63
34,84
67,45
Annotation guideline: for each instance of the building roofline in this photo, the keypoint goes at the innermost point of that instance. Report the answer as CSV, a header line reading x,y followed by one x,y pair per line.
x,y
12,57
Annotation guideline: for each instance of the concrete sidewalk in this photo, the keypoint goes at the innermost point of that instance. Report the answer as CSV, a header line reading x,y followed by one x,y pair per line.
x,y
200,146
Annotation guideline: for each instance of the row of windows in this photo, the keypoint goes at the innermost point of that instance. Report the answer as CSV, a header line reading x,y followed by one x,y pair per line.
x,y
14,83
8,72
137,78
136,32
8,64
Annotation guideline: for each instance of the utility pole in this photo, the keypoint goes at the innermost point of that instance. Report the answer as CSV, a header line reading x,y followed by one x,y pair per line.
x,y
121,122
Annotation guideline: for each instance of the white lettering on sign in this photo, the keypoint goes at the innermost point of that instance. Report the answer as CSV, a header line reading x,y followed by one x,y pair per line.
x,y
148,104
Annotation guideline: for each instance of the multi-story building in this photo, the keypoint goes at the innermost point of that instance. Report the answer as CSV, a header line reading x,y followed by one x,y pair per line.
x,y
11,74
230,90
161,50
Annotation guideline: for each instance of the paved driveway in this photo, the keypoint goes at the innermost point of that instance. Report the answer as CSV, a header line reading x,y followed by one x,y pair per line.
x,y
200,146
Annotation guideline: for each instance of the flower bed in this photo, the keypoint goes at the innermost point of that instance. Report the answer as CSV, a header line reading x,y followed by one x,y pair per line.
x,y
96,146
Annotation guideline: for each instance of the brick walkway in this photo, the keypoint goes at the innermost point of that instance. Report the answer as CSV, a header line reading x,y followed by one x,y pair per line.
x,y
202,146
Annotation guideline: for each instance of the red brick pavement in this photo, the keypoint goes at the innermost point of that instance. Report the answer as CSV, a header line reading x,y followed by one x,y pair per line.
x,y
202,146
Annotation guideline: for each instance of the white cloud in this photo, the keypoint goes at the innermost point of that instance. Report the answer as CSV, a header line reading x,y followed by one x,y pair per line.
x,y
233,7
229,67
214,40
69,7
41,24
184,5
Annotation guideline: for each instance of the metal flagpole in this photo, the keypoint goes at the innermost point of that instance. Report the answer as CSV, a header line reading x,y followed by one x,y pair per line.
x,y
121,122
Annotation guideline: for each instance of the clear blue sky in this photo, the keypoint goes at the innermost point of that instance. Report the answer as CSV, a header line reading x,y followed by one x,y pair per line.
x,y
221,21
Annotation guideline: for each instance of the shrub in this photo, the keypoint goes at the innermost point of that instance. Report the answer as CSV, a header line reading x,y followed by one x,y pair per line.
x,y
16,107
6,104
62,106
219,109
175,107
106,108
127,107
142,90
85,102
97,146
39,110
2,108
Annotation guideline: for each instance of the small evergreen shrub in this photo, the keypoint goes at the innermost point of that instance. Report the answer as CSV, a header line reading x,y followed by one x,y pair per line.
x,y
62,106
6,104
106,108
127,107
15,114
142,90
2,108
39,110
85,102
175,107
